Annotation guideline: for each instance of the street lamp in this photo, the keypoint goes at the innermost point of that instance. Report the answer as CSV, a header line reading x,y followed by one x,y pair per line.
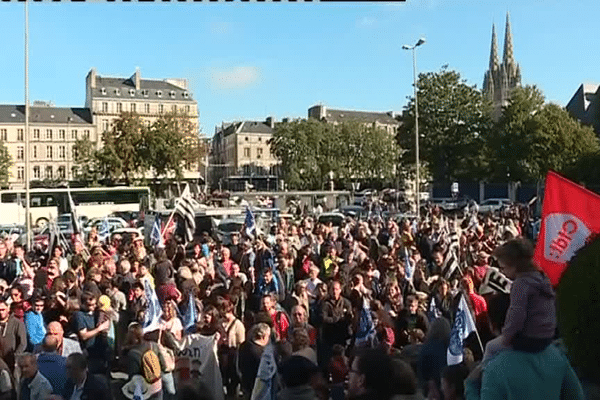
x,y
414,54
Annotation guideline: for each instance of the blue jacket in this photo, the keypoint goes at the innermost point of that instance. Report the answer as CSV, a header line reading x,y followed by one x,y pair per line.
x,y
53,367
514,375
36,329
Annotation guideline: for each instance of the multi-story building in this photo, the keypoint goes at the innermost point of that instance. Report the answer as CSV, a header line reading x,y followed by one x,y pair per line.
x,y
501,78
52,133
585,105
108,97
241,155
383,120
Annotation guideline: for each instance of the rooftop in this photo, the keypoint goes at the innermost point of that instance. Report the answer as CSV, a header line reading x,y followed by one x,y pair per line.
x,y
44,115
360,116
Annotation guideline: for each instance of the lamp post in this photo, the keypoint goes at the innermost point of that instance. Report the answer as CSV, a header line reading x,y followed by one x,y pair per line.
x,y
414,54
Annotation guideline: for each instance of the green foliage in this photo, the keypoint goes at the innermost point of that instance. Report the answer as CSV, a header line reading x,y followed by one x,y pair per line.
x,y
86,160
309,150
579,310
5,164
454,119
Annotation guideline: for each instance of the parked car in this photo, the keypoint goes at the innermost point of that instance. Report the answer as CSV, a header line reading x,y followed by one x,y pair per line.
x,y
335,218
113,223
226,227
493,205
356,212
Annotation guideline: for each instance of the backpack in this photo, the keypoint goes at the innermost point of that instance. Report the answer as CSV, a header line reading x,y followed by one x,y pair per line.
x,y
151,370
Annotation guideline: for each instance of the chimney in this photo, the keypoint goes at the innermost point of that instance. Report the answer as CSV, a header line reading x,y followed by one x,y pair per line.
x,y
92,78
271,122
137,78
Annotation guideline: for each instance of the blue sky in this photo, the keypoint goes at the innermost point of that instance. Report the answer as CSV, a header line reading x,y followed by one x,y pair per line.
x,y
249,61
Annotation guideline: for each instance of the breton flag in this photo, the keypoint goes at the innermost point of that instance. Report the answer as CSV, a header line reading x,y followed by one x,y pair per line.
x,y
463,326
155,236
495,282
186,208
76,226
250,222
409,268
154,311
570,215
451,260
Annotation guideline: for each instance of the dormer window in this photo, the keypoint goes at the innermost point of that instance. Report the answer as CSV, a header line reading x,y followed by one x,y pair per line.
x,y
159,93
145,92
118,92
103,91
132,92
186,95
172,94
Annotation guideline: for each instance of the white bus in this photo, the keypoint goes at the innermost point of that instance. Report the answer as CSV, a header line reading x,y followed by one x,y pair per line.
x,y
46,204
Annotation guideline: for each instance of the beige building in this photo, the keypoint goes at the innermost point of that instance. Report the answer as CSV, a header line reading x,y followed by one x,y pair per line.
x,y
52,134
241,154
108,97
383,120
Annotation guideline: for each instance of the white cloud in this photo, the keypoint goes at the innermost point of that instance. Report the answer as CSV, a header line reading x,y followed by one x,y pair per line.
x,y
366,21
234,78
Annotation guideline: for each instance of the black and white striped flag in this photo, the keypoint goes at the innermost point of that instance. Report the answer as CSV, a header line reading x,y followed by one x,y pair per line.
x,y
451,261
186,207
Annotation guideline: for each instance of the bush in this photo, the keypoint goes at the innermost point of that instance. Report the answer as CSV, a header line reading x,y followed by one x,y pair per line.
x,y
578,310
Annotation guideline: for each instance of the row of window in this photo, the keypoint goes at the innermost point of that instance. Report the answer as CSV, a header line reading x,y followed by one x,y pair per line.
x,y
120,107
145,93
46,173
36,153
49,134
248,152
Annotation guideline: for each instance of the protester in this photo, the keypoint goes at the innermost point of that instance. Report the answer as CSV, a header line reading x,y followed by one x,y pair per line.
x,y
34,385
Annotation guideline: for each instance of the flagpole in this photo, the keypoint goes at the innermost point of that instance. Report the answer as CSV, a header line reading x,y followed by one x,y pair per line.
x,y
26,175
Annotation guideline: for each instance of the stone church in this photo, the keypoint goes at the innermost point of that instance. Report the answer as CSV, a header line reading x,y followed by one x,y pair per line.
x,y
501,78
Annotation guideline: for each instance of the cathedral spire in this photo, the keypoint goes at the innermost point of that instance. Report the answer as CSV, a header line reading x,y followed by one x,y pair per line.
x,y
508,44
494,50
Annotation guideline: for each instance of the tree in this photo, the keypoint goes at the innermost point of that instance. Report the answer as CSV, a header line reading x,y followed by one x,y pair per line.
x,y
123,155
532,137
86,160
5,164
453,121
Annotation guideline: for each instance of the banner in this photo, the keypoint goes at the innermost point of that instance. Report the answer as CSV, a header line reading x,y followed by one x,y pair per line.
x,y
570,215
463,326
495,282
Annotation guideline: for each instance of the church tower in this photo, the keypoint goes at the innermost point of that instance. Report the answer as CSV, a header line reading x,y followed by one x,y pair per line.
x,y
501,78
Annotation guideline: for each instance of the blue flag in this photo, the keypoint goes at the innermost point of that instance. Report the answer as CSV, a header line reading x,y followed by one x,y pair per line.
x,y
462,328
154,311
409,268
155,236
104,229
250,222
191,316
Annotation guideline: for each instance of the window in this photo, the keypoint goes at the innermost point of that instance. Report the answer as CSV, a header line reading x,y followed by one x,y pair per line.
x,y
36,172
20,153
161,108
118,92
132,92
103,90
147,108
186,95
19,134
86,133
21,173
187,109
259,152
159,93
48,171
105,125
174,108
132,107
105,107
49,134
36,134
260,139
61,134
172,94
61,172
247,152
246,138
62,152
119,108
145,92
74,134
3,134
74,152
74,171
49,152
34,151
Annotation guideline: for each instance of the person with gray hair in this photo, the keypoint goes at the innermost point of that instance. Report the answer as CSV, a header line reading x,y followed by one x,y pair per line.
x,y
250,354
34,385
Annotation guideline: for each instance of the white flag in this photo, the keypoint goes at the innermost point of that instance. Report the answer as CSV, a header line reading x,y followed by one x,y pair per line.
x,y
462,328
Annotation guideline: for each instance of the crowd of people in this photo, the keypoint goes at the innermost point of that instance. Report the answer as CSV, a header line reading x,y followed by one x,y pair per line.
x,y
364,310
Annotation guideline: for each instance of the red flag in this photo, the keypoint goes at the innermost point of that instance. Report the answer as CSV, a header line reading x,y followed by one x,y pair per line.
x,y
570,215
168,230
